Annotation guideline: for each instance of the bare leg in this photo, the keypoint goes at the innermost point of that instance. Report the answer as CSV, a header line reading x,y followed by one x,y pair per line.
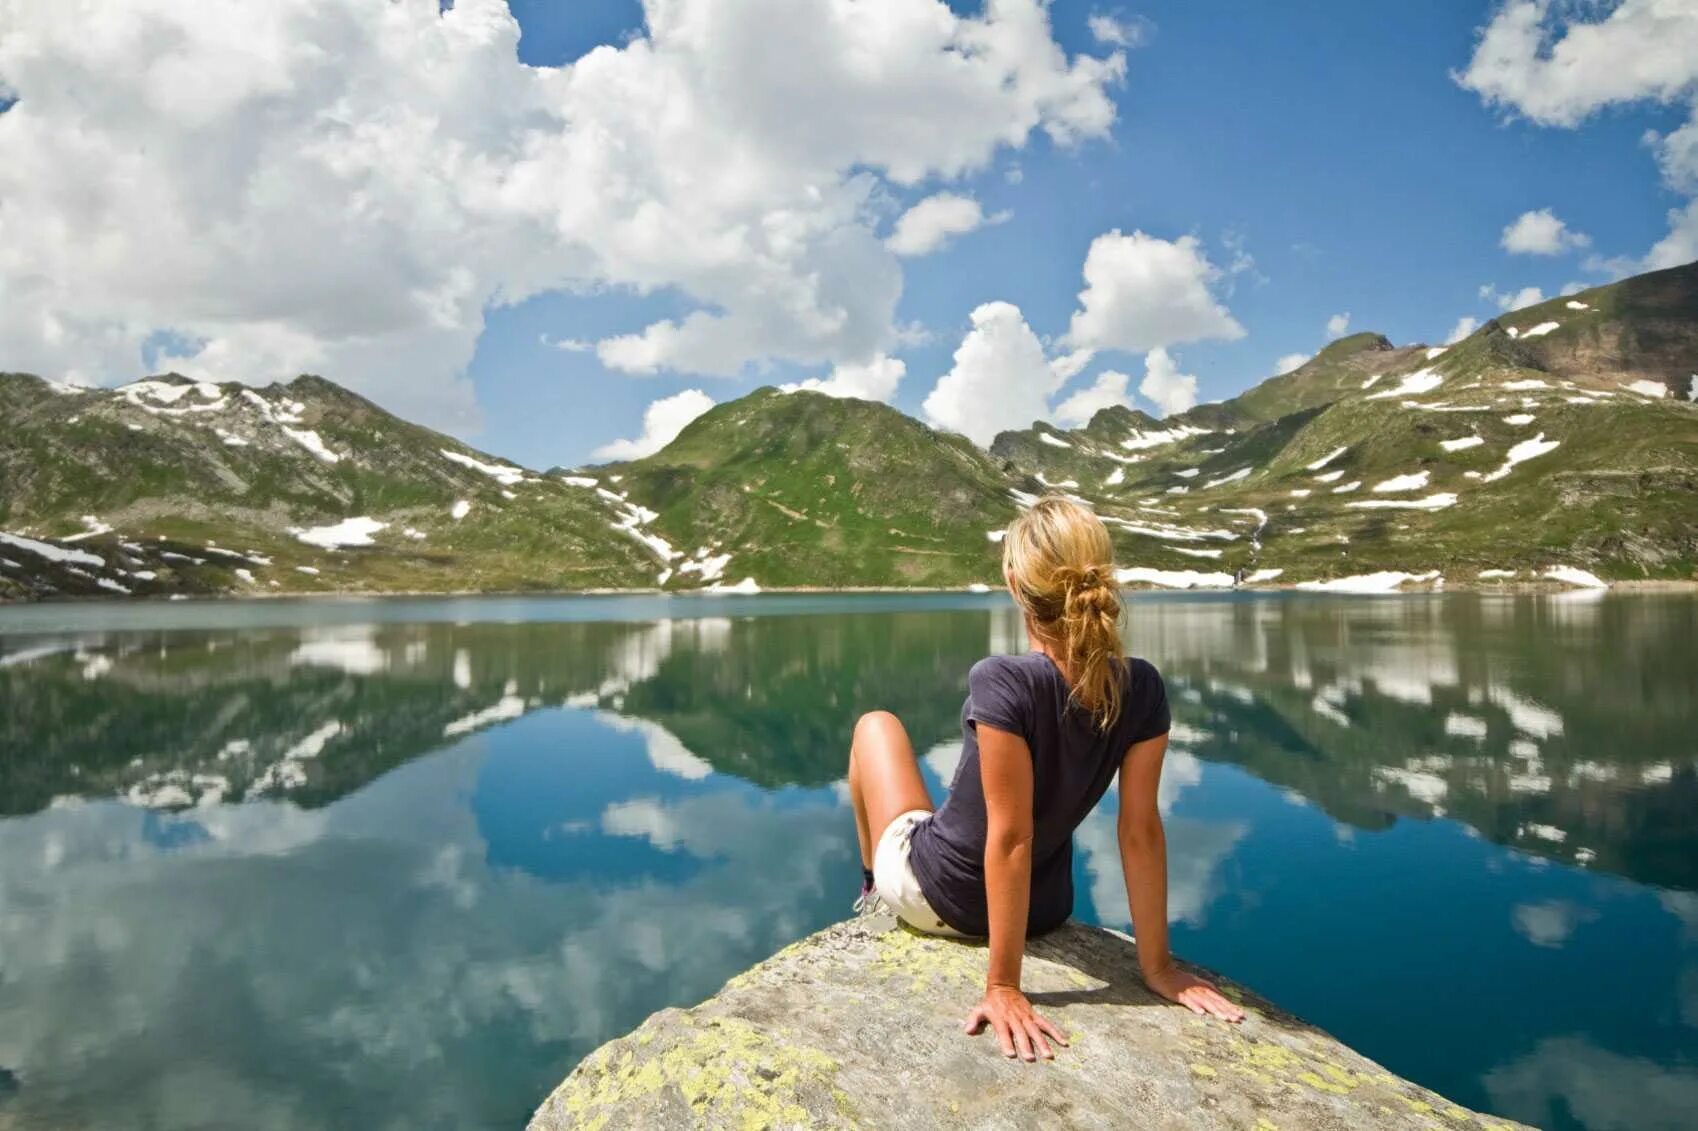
x,y
884,778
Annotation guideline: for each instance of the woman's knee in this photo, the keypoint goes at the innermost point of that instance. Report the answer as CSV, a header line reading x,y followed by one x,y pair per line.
x,y
874,724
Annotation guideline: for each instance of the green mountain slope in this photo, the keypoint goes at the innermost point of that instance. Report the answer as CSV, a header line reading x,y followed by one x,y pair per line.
x,y
172,486
803,489
1562,435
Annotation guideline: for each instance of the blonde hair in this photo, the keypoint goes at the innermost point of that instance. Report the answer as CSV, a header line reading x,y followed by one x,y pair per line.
x,y
1060,565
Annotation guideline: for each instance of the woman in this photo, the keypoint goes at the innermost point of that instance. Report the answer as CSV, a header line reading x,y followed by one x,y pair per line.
x,y
1042,736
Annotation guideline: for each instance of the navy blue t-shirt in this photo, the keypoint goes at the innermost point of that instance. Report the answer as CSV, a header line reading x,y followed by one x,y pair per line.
x,y
1072,765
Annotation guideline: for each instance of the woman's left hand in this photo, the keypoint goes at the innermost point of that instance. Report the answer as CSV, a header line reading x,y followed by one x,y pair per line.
x,y
1193,993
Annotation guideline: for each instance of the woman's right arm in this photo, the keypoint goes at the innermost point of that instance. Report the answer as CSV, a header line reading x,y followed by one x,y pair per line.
x,y
1143,857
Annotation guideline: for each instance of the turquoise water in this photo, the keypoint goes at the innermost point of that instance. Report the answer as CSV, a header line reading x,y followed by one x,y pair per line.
x,y
401,863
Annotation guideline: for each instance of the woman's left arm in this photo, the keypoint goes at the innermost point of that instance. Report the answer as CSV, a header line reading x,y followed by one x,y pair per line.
x,y
1143,857
1005,769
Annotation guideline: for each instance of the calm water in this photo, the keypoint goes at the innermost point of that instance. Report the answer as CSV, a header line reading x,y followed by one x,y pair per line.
x,y
402,863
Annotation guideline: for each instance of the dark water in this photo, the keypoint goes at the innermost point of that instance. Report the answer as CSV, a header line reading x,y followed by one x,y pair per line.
x,y
402,863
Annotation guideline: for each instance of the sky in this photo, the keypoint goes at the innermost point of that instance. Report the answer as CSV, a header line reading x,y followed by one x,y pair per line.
x,y
561,231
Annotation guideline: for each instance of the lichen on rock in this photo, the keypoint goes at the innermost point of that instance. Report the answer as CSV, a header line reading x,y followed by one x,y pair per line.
x,y
860,1026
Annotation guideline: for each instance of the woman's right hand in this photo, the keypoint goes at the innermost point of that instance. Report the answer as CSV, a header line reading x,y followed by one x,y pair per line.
x,y
1019,1029
1193,993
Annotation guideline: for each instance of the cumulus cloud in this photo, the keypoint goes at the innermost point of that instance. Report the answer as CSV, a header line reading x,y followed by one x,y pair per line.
x,y
662,421
347,187
1118,30
1464,326
1164,386
1108,390
1512,300
1000,380
1289,362
1338,325
1541,233
874,381
1557,68
1142,292
935,220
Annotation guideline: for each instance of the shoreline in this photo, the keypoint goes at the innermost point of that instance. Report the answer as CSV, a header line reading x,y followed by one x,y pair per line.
x,y
1509,587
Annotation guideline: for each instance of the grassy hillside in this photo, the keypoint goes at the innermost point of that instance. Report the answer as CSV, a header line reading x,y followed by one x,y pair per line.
x,y
805,489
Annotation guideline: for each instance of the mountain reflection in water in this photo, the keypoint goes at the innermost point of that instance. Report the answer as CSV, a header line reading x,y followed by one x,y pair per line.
x,y
406,870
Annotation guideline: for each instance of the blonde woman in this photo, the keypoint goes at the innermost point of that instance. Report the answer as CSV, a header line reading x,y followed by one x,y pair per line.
x,y
1043,734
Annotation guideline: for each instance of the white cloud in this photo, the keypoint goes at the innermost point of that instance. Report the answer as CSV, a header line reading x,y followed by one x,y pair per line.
x,y
662,421
1464,326
1541,233
1000,380
874,381
933,221
1338,325
1069,365
346,187
1549,924
1289,362
1164,386
1117,30
1548,63
567,345
1142,292
1108,390
1512,300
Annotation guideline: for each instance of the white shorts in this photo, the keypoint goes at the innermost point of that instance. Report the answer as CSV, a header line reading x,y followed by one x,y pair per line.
x,y
893,876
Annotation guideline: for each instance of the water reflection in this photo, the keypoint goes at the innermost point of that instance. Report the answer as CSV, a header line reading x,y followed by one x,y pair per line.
x,y
292,872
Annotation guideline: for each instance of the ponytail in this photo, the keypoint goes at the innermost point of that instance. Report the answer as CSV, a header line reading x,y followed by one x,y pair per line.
x,y
1059,562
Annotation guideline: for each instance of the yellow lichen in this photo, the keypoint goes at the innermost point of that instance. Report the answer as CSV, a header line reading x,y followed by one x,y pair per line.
x,y
1321,1085
927,959
1203,1070
727,1071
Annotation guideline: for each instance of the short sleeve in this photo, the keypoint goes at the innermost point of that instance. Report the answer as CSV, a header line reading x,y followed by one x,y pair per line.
x,y
997,695
1148,700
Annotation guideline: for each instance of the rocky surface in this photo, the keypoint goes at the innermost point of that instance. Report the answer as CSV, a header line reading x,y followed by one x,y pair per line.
x,y
860,1026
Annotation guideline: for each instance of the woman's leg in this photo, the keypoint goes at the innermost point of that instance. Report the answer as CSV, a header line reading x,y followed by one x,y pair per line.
x,y
884,778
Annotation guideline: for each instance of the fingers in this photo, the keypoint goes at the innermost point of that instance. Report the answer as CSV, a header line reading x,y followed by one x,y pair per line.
x,y
1022,1042
1055,1034
1188,998
1218,1005
1035,1032
975,1021
1003,1036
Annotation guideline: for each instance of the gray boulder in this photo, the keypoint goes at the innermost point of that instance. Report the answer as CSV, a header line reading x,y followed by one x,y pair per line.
x,y
860,1026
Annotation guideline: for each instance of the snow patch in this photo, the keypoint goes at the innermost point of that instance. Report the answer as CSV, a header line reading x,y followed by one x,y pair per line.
x,y
578,481
1138,441
1330,477
348,532
1573,575
1420,381
51,552
1386,581
1648,388
1490,573
1174,578
1520,419
1328,458
311,442
1540,330
1461,443
506,475
1241,473
1053,441
460,510
1346,488
1434,352
1257,576
1520,453
1430,503
1116,479
1572,305
1414,481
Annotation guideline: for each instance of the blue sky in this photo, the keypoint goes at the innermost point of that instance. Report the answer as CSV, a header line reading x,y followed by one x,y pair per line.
x,y
417,201
1329,140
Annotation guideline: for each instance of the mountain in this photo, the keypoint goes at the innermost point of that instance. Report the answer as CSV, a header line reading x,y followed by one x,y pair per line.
x,y
804,489
1562,437
173,486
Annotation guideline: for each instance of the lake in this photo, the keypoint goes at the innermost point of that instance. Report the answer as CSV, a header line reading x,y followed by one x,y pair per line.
x,y
402,862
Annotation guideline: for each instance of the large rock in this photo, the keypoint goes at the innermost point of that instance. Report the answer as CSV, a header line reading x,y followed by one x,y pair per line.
x,y
860,1026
